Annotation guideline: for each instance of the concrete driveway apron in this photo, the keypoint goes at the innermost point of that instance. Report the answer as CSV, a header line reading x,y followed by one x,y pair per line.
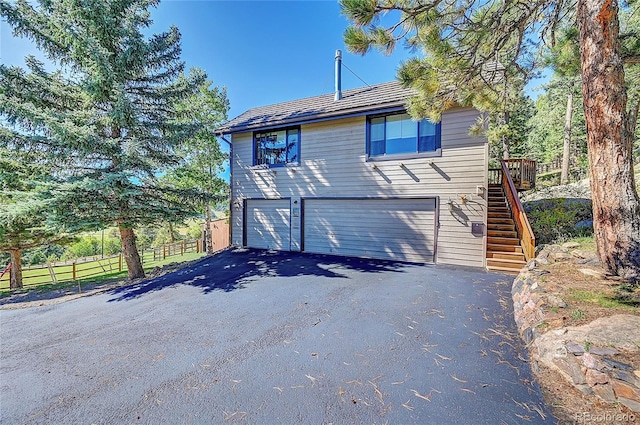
x,y
250,336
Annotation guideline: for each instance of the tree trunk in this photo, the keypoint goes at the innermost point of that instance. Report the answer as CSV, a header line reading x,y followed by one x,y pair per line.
x,y
130,253
172,237
566,152
15,282
616,207
506,154
208,233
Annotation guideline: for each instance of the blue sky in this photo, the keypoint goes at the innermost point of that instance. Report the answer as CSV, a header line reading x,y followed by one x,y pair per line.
x,y
270,51
263,51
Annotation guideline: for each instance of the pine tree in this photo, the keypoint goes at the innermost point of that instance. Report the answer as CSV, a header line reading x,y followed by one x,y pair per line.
x,y
473,49
202,159
25,213
106,119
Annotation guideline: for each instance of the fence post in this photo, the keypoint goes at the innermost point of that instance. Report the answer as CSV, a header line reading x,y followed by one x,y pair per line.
x,y
164,252
73,270
120,262
52,273
182,248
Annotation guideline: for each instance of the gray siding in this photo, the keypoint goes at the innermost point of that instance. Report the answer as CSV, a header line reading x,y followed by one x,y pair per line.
x,y
333,164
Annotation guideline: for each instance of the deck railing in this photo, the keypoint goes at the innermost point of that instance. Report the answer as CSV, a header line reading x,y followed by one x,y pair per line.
x,y
523,172
527,238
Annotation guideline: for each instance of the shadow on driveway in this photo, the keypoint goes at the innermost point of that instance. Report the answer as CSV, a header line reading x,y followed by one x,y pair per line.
x,y
231,269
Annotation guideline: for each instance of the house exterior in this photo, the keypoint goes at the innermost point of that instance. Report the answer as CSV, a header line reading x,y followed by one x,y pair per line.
x,y
357,176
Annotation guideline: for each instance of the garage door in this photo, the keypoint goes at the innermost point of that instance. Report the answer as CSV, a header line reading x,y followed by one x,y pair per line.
x,y
267,224
396,229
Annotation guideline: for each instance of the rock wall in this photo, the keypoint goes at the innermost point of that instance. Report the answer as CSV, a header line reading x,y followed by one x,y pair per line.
x,y
584,355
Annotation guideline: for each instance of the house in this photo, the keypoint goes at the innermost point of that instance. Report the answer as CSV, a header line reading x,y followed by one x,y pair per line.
x,y
351,173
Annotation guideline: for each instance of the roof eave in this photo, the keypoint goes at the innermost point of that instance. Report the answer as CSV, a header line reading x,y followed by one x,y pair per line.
x,y
379,108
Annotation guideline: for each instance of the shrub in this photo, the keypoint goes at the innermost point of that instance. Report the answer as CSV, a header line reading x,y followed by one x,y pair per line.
x,y
554,220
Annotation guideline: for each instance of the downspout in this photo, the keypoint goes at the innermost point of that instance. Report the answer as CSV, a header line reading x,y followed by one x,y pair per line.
x,y
230,186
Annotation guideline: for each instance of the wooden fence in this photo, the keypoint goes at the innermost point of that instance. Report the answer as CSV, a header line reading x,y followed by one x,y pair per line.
x,y
72,270
220,234
176,248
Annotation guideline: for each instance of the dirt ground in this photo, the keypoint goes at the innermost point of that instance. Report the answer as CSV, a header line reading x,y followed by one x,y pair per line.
x,y
588,297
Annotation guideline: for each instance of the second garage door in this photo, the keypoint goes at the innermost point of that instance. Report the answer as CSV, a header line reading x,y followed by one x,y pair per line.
x,y
395,229
267,224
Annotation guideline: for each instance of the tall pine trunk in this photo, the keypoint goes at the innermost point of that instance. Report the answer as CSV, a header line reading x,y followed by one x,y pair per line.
x,y
208,233
15,282
616,207
506,145
566,151
130,253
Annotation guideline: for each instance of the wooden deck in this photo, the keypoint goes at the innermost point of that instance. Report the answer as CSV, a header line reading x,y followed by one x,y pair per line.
x,y
521,170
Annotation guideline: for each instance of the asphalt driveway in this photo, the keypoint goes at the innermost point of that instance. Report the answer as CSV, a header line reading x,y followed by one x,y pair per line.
x,y
251,336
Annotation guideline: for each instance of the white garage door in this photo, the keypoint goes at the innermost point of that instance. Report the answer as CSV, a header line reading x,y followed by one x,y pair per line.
x,y
396,229
268,224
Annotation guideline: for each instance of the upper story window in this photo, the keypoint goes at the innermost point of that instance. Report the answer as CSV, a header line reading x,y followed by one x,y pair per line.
x,y
398,135
277,147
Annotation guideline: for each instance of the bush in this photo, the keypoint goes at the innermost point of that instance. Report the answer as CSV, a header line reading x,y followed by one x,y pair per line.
x,y
195,231
85,247
112,246
554,220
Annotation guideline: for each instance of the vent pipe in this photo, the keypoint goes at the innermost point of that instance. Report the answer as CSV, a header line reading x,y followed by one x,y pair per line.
x,y
338,94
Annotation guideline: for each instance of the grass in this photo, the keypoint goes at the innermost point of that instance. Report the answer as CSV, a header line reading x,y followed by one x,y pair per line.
x,y
599,299
44,283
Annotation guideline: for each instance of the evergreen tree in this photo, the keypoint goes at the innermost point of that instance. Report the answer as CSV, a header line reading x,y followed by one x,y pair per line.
x,y
107,118
25,210
473,49
201,157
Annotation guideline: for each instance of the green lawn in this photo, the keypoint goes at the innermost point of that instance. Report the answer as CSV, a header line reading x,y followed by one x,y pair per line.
x,y
89,273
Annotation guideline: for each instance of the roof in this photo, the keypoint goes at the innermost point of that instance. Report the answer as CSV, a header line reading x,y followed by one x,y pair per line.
x,y
354,102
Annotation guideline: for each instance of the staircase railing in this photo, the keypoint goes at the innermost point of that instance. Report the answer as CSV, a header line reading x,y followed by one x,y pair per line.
x,y
527,238
523,171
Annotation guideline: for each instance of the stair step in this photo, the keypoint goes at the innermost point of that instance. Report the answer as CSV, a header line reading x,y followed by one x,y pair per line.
x,y
499,214
500,220
502,233
497,247
504,270
498,209
500,226
502,241
512,264
506,255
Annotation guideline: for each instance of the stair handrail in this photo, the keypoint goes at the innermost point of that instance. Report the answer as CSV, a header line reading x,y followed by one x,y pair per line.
x,y
525,234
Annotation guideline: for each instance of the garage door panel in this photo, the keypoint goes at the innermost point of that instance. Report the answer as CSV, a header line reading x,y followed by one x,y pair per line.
x,y
268,224
398,229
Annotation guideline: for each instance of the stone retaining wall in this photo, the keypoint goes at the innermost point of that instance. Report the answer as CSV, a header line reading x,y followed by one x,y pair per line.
x,y
584,355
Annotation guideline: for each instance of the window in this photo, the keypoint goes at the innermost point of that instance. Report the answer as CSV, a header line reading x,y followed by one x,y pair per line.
x,y
277,147
398,135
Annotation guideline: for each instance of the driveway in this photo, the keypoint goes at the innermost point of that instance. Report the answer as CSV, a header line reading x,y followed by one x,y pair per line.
x,y
251,336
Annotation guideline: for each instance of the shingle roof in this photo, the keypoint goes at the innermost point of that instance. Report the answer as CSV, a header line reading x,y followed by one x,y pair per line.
x,y
354,101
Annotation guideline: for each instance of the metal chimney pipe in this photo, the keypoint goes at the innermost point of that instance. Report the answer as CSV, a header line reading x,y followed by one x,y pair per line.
x,y
338,93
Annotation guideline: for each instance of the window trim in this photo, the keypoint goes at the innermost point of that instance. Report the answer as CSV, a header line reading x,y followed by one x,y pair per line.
x,y
405,155
275,129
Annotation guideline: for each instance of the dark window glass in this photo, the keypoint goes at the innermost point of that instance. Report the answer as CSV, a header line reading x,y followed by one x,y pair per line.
x,y
399,134
277,147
